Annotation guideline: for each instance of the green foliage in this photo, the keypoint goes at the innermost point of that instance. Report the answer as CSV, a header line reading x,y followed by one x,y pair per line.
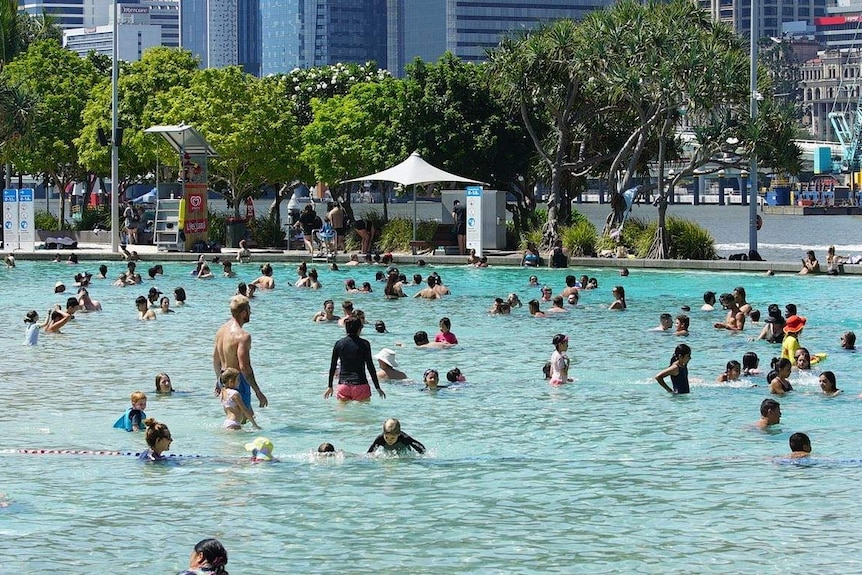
x,y
687,239
580,239
246,120
266,232
534,236
216,227
357,133
398,233
88,217
46,221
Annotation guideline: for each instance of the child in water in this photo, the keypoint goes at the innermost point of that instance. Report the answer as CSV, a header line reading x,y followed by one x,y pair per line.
x,y
235,410
158,438
445,333
133,419
677,371
392,439
560,361
432,380
31,320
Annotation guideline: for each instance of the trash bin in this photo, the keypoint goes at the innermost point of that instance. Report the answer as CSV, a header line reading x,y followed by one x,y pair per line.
x,y
778,196
235,231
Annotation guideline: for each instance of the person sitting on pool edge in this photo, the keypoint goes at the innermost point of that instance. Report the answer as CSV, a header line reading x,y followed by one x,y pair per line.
x,y
770,413
393,439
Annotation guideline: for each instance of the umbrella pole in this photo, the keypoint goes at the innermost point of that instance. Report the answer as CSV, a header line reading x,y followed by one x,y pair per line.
x,y
414,212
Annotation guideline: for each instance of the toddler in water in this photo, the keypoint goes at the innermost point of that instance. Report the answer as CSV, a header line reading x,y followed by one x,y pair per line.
x,y
431,377
445,333
235,410
31,321
392,439
560,361
133,419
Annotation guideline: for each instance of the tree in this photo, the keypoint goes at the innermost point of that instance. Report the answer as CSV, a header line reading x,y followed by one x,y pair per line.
x,y
356,133
61,81
246,120
457,123
139,85
542,76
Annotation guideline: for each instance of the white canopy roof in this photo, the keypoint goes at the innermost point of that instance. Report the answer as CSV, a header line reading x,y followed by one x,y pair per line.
x,y
414,170
183,138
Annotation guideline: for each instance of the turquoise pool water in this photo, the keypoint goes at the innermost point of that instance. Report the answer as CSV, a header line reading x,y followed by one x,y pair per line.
x,y
608,475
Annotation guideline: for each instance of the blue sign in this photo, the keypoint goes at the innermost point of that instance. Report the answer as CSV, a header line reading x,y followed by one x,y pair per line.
x,y
8,225
26,195
24,225
471,222
474,191
10,195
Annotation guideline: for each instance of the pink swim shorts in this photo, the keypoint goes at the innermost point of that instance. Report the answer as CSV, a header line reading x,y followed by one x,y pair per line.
x,y
346,392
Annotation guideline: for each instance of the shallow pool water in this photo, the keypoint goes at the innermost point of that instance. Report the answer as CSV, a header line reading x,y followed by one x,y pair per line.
x,y
610,474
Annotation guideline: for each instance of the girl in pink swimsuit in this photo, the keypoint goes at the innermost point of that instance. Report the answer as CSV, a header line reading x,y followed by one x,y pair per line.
x,y
235,410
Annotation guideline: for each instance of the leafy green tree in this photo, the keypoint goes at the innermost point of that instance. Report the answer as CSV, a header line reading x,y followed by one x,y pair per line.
x,y
246,120
458,123
355,134
139,85
541,75
62,82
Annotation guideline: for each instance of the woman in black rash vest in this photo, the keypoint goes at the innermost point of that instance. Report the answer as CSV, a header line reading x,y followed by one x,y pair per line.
x,y
355,355
677,370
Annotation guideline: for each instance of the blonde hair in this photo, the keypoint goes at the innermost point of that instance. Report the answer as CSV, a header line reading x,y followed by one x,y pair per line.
x,y
228,374
238,304
138,396
391,425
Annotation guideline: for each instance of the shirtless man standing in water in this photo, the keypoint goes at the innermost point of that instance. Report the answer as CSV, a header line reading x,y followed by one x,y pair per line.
x,y
233,349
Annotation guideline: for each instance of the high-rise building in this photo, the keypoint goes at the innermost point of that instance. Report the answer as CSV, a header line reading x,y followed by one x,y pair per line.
x,y
468,28
141,25
208,28
248,36
774,16
306,33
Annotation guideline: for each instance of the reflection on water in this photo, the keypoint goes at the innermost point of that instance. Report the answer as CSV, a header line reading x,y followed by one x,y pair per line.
x,y
607,475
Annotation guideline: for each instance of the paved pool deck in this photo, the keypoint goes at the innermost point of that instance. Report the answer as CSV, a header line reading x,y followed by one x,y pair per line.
x,y
149,253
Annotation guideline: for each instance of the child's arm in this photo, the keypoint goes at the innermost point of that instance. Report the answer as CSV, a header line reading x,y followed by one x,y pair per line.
x,y
415,445
246,412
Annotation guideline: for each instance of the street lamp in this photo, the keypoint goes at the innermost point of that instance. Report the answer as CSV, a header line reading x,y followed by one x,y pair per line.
x,y
115,150
752,183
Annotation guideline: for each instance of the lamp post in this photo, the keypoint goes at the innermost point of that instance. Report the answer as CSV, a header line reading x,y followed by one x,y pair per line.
x,y
752,184
115,150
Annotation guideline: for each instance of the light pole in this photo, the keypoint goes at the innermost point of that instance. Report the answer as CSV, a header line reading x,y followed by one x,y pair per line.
x,y
115,150
752,173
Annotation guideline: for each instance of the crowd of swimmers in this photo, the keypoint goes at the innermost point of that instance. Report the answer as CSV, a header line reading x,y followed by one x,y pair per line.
x,y
353,370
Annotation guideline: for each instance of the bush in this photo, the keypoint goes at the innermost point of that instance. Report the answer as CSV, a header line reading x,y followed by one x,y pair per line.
x,y
398,233
266,232
580,239
686,240
216,227
534,236
689,241
89,216
46,221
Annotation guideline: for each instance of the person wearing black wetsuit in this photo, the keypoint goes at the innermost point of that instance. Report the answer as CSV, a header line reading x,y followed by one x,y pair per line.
x,y
355,356
393,439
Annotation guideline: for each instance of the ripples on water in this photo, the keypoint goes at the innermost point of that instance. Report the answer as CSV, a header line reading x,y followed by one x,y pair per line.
x,y
608,475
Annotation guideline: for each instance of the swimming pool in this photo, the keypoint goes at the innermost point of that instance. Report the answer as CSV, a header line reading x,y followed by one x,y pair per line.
x,y
608,475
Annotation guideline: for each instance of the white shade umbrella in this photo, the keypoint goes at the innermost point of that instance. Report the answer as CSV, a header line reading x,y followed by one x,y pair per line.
x,y
414,170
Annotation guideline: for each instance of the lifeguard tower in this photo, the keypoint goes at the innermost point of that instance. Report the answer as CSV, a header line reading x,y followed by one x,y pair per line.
x,y
181,212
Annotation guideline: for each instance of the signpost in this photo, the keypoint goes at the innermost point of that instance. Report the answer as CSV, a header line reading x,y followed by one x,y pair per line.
x,y
18,227
474,219
10,220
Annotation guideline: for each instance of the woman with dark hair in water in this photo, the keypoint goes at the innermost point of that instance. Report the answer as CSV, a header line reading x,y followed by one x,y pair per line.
x,y
208,556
